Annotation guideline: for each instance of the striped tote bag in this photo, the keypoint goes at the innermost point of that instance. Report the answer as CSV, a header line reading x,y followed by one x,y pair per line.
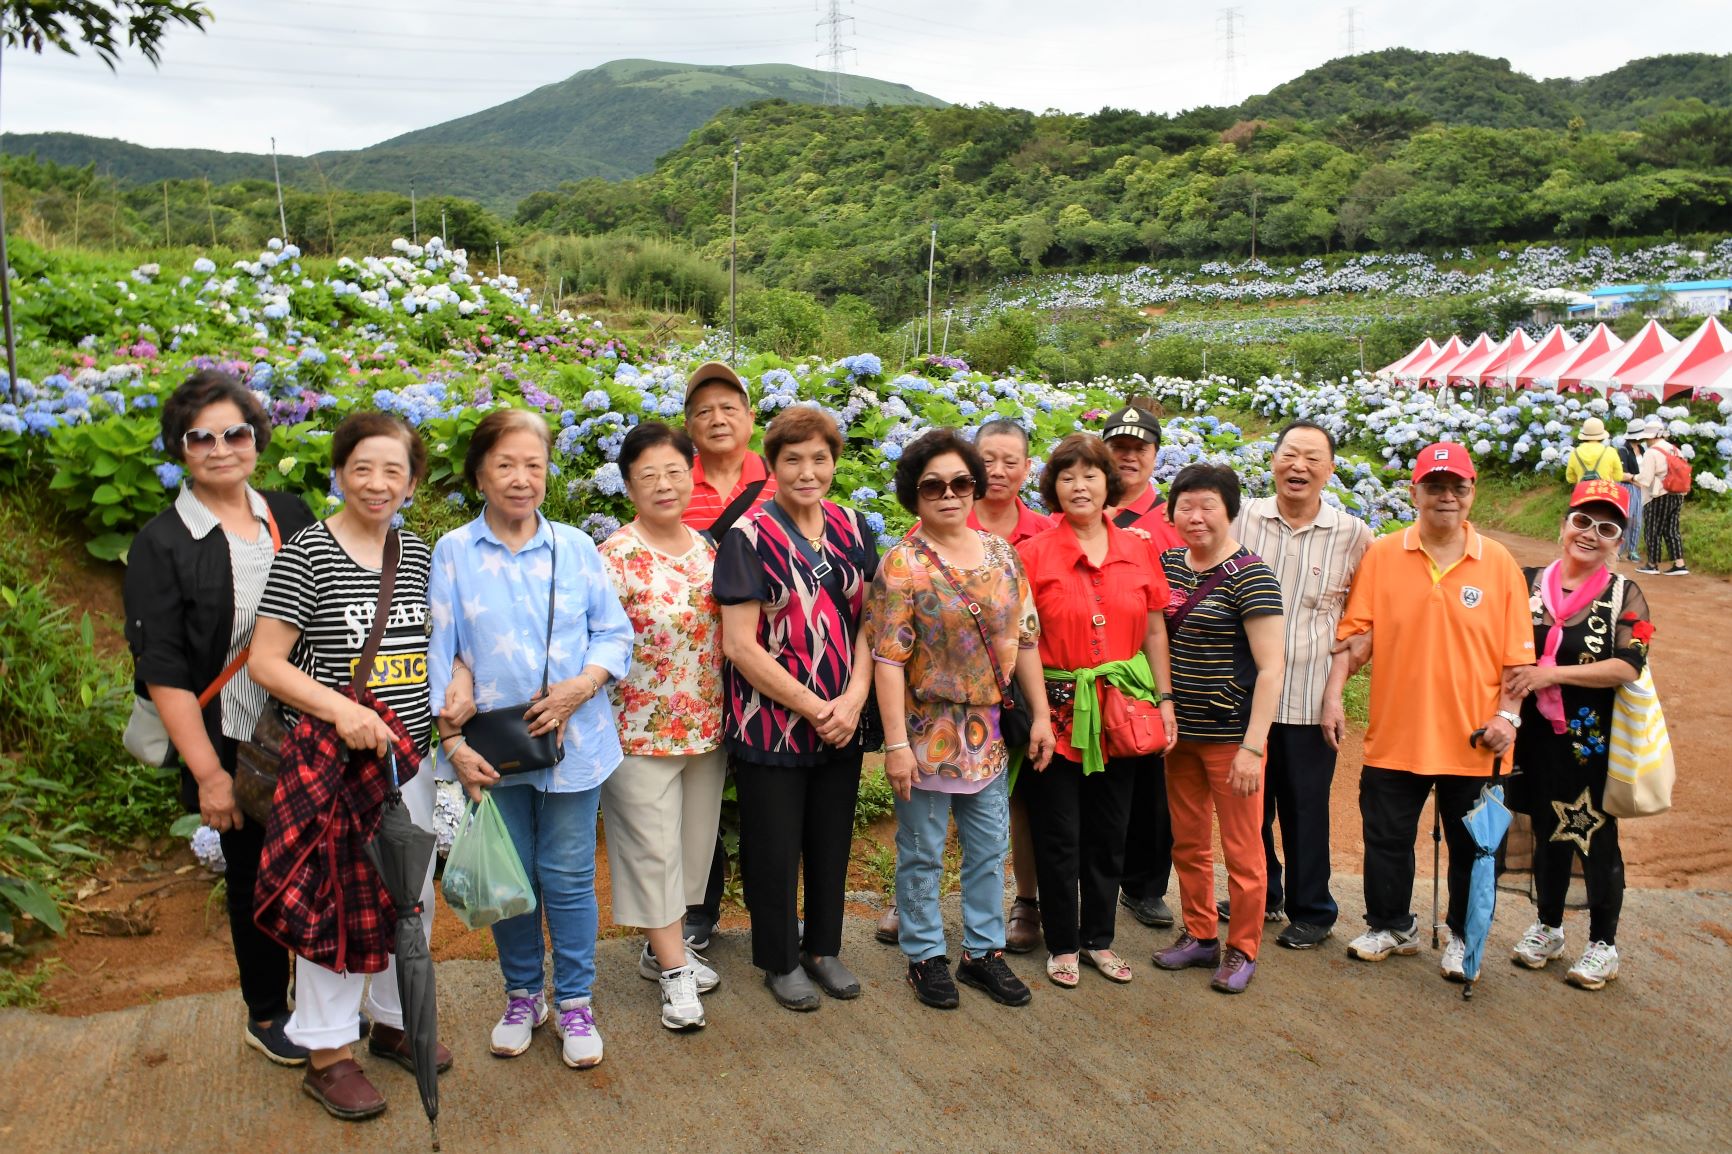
x,y
1641,770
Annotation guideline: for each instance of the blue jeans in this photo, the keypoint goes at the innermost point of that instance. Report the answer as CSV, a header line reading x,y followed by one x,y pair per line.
x,y
555,836
983,827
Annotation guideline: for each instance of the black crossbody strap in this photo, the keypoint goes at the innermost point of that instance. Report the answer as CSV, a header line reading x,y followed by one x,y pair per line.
x,y
1228,568
736,509
381,611
931,557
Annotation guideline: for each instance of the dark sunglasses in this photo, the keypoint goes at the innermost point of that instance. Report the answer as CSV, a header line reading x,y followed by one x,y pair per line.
x,y
199,442
1604,530
932,489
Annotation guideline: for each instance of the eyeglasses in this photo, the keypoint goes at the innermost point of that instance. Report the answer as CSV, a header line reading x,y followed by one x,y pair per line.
x,y
674,474
1605,530
203,442
932,489
1438,487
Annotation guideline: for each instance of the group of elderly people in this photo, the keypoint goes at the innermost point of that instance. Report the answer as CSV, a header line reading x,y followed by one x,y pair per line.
x,y
1096,692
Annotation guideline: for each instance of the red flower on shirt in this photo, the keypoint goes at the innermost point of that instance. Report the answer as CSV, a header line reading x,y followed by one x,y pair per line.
x,y
1640,630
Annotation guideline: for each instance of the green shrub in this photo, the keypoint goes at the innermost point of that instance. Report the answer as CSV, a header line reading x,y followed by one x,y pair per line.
x,y
625,268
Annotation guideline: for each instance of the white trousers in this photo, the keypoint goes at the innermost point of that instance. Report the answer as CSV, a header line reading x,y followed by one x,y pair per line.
x,y
660,816
328,1004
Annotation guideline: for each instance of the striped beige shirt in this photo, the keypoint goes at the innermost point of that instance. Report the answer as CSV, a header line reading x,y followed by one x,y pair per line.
x,y
1315,565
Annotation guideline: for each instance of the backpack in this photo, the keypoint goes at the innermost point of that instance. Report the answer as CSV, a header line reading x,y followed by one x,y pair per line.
x,y
1677,470
1589,472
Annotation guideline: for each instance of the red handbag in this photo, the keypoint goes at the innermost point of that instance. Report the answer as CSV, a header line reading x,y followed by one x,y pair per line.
x,y
1130,726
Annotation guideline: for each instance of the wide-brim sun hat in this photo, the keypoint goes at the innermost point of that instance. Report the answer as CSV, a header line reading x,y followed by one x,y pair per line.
x,y
1593,429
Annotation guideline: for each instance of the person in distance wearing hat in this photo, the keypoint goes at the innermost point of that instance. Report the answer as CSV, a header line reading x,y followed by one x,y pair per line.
x,y
1661,509
1592,459
1447,610
1630,459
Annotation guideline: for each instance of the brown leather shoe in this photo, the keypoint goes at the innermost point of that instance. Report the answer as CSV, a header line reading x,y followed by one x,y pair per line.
x,y
1022,928
343,1090
889,929
390,1042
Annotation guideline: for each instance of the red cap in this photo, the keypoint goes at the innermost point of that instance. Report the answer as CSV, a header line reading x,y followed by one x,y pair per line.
x,y
1601,492
1444,457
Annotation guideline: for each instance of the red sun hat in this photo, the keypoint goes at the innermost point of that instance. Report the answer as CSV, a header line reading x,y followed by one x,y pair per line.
x,y
1444,457
1601,492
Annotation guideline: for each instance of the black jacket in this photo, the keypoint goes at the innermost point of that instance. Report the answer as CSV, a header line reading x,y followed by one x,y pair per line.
x,y
180,603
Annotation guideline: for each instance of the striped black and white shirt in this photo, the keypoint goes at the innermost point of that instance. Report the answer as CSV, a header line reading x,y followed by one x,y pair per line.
x,y
319,589
1315,564
250,562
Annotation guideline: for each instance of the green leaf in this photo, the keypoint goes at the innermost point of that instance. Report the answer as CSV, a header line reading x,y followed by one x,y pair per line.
x,y
110,546
29,898
24,845
41,783
105,495
87,632
103,466
185,825
70,850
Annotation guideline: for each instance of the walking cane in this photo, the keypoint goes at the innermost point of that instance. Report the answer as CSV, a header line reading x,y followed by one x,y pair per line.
x,y
1436,857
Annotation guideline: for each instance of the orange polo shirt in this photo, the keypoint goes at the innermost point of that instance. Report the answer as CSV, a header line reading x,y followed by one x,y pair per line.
x,y
1439,644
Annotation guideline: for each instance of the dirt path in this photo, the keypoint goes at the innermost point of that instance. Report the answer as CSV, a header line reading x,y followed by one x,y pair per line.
x,y
1321,1054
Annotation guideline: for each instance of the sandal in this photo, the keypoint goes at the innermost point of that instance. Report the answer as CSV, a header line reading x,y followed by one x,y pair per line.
x,y
1111,966
1063,974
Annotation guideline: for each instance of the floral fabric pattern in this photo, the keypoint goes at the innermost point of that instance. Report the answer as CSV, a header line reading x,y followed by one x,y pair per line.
x,y
670,704
919,621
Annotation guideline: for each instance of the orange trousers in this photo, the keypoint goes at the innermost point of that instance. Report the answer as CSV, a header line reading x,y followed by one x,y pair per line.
x,y
1196,790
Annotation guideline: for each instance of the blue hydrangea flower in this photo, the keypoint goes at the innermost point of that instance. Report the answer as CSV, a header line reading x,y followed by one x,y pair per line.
x,y
169,474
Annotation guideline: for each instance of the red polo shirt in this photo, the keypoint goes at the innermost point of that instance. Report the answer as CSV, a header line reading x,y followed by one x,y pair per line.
x,y
707,504
1151,511
1092,614
1028,523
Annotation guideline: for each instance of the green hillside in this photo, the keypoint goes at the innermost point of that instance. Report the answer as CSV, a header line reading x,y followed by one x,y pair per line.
x,y
1624,97
611,121
1452,88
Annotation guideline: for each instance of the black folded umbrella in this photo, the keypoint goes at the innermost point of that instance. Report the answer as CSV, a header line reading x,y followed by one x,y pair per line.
x,y
402,852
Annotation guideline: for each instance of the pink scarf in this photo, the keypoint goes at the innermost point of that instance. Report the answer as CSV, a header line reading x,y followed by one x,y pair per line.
x,y
1550,699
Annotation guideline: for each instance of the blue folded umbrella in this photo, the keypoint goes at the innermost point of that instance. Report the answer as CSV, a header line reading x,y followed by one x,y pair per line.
x,y
1486,822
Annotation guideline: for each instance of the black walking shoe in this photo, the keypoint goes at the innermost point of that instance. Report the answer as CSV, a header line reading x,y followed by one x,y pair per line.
x,y
271,1041
697,928
992,976
1149,911
1303,935
1225,909
932,984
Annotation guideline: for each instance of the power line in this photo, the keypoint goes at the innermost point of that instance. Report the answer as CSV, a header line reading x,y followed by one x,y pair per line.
x,y
1352,31
831,27
1227,22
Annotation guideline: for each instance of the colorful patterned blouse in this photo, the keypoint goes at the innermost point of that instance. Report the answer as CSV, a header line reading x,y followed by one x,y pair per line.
x,y
801,625
921,622
670,704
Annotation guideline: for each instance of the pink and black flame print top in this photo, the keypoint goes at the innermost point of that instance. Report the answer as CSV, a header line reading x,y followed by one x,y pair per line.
x,y
800,625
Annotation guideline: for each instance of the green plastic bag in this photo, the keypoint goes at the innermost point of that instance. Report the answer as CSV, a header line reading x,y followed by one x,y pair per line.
x,y
484,878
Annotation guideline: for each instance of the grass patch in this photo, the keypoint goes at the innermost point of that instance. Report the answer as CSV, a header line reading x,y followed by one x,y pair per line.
x,y
1534,506
28,991
876,799
68,787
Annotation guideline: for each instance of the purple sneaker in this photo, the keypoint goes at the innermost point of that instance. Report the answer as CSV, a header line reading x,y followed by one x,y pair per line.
x,y
1234,972
1188,952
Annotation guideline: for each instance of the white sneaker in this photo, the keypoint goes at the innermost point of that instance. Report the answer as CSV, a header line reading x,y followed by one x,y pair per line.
x,y
1598,966
681,1009
1538,946
1454,958
580,1038
1375,945
523,1014
650,970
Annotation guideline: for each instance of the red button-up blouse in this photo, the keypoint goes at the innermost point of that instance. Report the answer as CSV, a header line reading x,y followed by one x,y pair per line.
x,y
1088,614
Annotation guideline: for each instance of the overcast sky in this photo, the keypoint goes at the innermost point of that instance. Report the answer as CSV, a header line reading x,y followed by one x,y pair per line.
x,y
327,74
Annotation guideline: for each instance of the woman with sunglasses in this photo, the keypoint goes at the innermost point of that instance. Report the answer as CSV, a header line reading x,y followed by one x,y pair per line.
x,y
193,584
942,595
1591,631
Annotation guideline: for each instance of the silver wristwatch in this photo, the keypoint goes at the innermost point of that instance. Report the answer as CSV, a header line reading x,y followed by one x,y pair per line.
x,y
1514,719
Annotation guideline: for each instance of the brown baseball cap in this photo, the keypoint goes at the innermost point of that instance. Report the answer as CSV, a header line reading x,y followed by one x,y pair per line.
x,y
714,373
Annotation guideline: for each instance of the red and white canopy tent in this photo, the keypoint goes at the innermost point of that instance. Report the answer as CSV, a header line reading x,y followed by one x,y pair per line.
x,y
1600,376
1448,353
1466,368
1427,350
1657,376
1593,347
1517,344
1711,379
1554,346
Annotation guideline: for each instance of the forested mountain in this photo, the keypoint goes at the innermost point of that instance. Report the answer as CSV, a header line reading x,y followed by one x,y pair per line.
x,y
611,121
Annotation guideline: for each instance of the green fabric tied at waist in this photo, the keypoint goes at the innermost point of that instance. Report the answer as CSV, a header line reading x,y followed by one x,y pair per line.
x,y
1132,677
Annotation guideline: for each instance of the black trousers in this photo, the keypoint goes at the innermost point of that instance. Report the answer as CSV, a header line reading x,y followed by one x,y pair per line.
x,y
1602,870
712,907
1300,772
792,816
1662,526
1079,827
1149,836
263,964
1390,802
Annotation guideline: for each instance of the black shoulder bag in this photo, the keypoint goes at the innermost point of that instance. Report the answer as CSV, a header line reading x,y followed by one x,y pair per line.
x,y
1014,724
502,735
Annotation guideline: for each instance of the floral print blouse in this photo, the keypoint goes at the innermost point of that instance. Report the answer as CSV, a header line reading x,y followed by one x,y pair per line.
x,y
670,704
919,621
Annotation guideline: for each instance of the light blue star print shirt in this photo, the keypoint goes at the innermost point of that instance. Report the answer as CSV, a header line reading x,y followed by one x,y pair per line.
x,y
489,607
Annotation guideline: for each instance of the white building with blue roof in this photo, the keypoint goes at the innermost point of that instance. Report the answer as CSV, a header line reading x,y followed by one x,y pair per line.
x,y
1688,298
